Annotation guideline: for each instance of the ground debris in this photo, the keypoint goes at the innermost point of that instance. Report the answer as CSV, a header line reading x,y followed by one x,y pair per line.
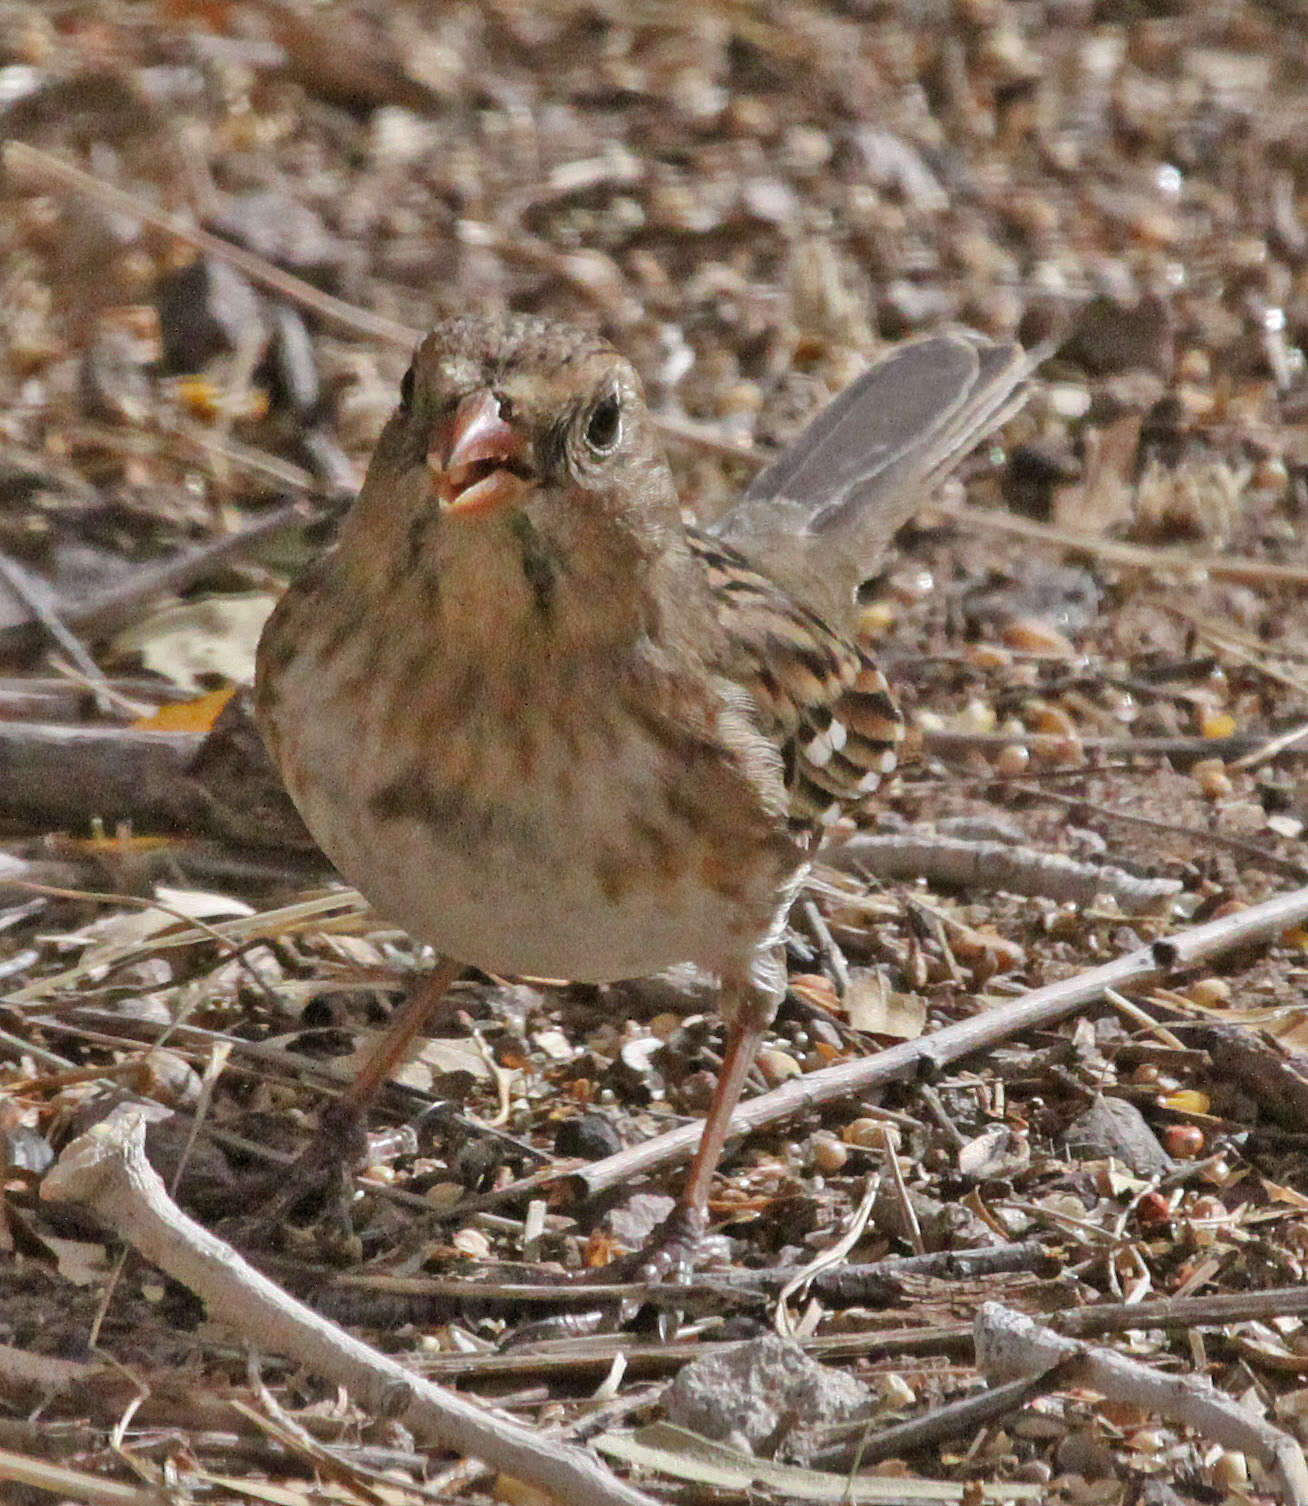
x,y
1098,638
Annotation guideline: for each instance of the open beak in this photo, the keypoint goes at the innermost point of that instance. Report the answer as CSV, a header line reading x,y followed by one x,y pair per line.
x,y
476,462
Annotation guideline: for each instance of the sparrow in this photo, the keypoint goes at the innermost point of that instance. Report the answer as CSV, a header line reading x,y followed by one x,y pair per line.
x,y
550,729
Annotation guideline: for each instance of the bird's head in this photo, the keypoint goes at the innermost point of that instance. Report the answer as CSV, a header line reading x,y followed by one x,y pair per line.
x,y
497,414
521,467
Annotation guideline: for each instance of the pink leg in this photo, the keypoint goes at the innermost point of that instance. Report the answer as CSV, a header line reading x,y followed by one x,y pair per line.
x,y
743,1036
340,1142
409,1019
671,1248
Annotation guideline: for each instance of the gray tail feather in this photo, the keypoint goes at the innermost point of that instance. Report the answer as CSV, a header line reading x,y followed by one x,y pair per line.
x,y
818,519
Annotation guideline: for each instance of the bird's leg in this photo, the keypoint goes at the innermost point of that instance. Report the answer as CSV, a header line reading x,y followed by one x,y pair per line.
x,y
348,1111
672,1246
341,1143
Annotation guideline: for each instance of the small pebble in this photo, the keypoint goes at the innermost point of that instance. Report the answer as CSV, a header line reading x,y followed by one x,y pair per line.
x,y
777,1066
1284,825
1211,777
472,1243
590,1136
1153,1208
862,1132
1184,1141
1012,760
894,1391
1066,752
1209,993
988,656
976,716
829,1155
1194,366
1054,719
442,1195
1028,635
1230,1470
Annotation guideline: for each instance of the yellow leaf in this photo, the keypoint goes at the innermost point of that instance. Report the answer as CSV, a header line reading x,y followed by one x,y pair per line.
x,y
197,715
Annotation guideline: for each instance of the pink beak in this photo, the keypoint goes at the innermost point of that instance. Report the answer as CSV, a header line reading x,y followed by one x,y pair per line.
x,y
473,456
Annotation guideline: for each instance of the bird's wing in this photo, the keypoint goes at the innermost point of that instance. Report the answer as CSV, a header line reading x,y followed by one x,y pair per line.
x,y
819,518
819,697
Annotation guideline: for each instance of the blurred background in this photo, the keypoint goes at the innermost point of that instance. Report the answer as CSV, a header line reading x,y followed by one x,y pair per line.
x,y
224,224
750,199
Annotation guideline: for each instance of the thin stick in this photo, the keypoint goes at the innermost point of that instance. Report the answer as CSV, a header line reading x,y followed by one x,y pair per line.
x,y
105,611
107,1172
1216,566
1214,1311
954,1419
1238,745
1251,852
29,163
40,601
1010,1345
76,1484
1272,747
982,866
1042,1007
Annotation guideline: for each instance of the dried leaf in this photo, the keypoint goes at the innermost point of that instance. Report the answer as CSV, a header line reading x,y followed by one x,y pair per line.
x,y
686,1456
214,636
871,1006
197,715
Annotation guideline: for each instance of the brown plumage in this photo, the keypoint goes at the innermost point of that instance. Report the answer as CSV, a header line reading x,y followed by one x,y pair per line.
x,y
549,729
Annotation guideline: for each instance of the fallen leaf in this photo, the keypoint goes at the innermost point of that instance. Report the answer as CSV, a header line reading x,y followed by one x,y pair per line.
x,y
197,715
214,636
871,1006
685,1455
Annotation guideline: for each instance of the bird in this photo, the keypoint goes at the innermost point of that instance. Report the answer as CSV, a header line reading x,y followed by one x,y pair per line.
x,y
550,728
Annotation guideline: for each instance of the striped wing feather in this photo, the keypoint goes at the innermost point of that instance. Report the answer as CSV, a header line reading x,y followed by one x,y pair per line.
x,y
819,695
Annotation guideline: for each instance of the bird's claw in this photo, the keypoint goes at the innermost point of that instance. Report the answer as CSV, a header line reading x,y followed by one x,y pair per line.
x,y
669,1253
322,1170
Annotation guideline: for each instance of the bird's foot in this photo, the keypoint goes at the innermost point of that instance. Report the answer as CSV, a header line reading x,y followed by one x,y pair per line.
x,y
671,1250
666,1259
667,1256
322,1172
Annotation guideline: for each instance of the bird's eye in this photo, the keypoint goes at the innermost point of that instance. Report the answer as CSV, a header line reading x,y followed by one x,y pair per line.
x,y
604,426
406,391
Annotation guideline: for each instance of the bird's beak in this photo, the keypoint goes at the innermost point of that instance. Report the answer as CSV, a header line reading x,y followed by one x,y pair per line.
x,y
476,461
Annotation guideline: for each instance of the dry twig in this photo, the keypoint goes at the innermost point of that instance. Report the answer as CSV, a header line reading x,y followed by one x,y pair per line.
x,y
983,867
1009,1345
106,1171
1042,1007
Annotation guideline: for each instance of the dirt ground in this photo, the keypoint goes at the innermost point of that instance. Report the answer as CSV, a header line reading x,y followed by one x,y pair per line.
x,y
222,224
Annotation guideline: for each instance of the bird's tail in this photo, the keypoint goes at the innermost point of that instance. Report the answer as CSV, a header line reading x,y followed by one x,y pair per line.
x,y
818,519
